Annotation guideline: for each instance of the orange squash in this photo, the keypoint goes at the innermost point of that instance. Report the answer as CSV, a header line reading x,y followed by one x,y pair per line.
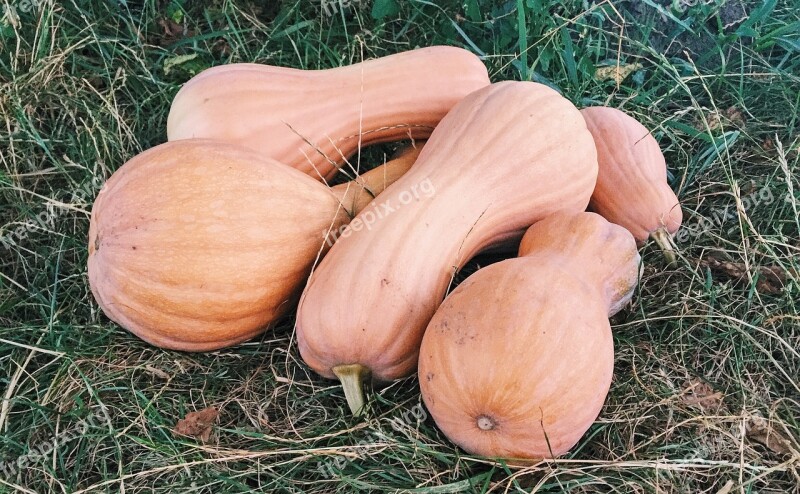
x,y
198,245
632,189
314,119
518,360
490,169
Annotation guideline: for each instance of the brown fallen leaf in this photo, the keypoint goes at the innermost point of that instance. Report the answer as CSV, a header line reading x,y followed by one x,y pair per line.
x,y
713,120
171,32
716,120
700,393
156,372
771,279
735,116
759,430
221,48
730,269
198,424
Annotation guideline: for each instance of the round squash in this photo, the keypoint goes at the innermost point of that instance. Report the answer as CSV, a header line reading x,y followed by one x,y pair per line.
x,y
314,119
494,165
198,245
632,189
518,360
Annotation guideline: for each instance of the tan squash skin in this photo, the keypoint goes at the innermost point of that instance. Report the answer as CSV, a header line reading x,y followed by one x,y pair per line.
x,y
495,170
518,360
632,189
311,119
198,245
604,253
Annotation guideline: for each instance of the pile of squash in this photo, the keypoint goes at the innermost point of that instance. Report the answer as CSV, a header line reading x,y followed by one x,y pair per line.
x,y
207,240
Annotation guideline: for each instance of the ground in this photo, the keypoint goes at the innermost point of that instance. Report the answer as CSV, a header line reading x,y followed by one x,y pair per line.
x,y
705,396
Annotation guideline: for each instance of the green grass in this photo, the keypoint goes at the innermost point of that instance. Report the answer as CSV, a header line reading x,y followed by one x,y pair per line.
x,y
85,85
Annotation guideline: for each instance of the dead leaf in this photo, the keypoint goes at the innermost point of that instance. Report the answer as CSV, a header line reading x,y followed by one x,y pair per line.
x,y
700,393
771,279
171,32
156,372
221,48
171,28
760,431
716,120
713,121
616,73
198,424
176,61
730,269
735,116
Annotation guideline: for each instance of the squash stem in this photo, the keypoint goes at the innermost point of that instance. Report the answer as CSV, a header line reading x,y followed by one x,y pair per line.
x,y
662,238
352,377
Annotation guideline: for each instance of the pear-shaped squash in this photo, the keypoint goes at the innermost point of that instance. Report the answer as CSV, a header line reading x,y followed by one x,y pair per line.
x,y
314,119
517,361
495,164
632,189
197,245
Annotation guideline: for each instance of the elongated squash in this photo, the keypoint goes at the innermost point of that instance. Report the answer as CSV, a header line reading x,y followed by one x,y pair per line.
x,y
504,157
517,361
198,245
632,188
314,119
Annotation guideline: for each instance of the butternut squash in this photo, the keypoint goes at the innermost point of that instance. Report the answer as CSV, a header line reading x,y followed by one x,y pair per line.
x,y
518,360
632,188
198,245
505,157
314,120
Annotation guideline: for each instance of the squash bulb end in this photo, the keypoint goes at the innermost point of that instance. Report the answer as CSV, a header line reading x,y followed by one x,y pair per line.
x,y
486,423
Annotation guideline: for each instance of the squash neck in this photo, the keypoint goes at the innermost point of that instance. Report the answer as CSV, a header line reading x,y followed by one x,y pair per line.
x,y
604,257
355,195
